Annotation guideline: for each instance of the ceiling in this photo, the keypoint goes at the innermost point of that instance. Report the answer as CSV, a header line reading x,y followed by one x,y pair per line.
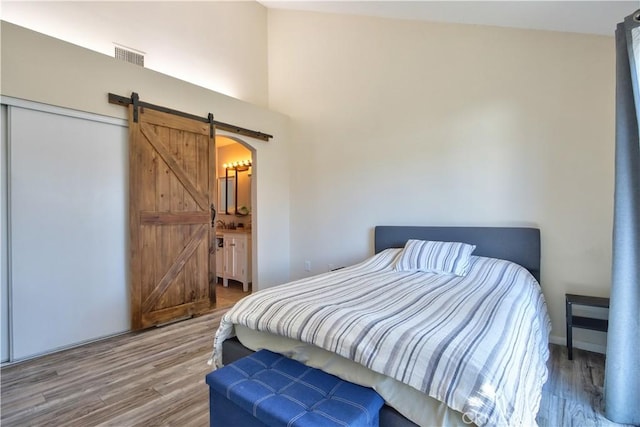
x,y
590,17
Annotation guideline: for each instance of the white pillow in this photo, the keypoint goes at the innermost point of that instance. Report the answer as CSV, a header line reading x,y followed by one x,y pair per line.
x,y
434,256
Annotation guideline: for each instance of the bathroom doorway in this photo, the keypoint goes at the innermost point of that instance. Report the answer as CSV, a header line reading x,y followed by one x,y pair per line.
x,y
235,235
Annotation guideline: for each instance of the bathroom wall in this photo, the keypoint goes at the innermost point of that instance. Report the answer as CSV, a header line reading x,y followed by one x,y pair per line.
x,y
229,150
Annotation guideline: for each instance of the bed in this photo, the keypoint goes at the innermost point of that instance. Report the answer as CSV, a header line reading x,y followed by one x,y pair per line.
x,y
465,345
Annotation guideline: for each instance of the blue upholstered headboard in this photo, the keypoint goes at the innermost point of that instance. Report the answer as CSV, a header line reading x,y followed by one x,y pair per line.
x,y
517,244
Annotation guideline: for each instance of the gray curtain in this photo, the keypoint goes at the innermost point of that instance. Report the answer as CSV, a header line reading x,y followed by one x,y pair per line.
x,y
622,372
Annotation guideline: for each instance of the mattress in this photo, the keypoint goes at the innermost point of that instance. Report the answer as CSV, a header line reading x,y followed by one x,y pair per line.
x,y
411,403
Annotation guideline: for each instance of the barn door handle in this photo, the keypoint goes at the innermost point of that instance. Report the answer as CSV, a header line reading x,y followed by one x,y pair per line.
x,y
213,215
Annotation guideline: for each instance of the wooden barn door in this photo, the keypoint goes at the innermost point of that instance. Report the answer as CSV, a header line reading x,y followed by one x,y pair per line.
x,y
172,179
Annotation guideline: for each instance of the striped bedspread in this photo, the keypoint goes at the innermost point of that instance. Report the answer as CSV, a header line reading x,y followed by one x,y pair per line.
x,y
479,343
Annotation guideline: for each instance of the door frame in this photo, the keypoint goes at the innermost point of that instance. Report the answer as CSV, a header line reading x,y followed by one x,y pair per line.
x,y
254,199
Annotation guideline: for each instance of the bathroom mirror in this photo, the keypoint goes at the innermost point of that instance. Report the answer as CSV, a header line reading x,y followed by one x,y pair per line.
x,y
226,195
243,192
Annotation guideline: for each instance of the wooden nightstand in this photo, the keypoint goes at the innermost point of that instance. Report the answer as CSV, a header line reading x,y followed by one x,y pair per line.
x,y
580,321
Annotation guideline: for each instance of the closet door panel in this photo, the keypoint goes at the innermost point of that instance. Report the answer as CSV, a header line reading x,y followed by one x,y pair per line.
x,y
68,214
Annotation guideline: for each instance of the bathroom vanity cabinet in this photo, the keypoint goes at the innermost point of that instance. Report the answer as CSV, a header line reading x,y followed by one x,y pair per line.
x,y
233,257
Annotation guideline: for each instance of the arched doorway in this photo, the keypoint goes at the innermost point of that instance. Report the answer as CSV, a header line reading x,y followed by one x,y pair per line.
x,y
235,236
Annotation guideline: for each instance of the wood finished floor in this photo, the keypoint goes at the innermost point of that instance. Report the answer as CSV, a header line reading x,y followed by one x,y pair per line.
x,y
226,297
573,394
156,378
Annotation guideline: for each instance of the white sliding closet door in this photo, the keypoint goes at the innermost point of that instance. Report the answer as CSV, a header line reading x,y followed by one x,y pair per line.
x,y
68,197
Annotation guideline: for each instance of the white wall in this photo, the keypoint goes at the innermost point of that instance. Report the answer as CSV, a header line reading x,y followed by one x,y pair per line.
x,y
394,122
406,122
43,69
221,45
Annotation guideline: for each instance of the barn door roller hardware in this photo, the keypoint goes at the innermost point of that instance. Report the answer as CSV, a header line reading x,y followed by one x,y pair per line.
x,y
137,104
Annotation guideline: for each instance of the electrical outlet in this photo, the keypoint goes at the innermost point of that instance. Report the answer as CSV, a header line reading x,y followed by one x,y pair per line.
x,y
307,266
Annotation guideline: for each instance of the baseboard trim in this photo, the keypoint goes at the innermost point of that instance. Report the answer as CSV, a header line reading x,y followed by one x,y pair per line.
x,y
583,345
62,348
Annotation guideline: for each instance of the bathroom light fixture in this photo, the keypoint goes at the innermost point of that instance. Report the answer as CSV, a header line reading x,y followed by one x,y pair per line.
x,y
239,165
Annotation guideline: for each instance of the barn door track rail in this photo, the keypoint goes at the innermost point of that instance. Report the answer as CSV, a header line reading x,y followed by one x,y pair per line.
x,y
137,104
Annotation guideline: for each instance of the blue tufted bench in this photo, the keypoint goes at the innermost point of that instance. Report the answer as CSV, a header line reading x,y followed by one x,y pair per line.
x,y
266,389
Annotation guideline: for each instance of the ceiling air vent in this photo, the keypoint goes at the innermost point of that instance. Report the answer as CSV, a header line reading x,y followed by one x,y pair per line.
x,y
129,55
